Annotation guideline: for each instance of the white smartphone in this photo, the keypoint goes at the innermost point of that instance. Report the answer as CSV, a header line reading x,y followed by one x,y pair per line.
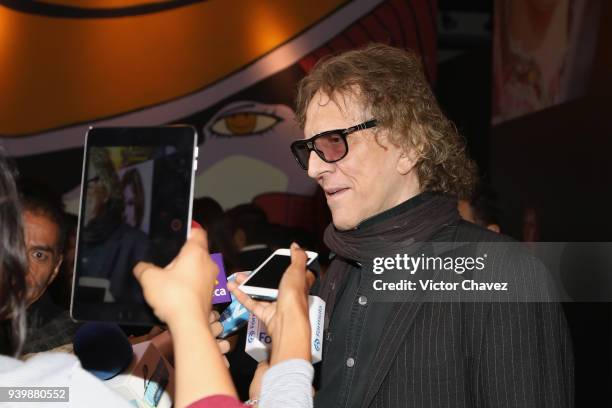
x,y
264,281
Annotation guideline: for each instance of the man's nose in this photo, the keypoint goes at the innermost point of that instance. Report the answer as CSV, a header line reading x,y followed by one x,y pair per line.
x,y
317,166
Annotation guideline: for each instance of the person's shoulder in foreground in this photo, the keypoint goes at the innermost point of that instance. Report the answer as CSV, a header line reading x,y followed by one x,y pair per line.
x,y
59,370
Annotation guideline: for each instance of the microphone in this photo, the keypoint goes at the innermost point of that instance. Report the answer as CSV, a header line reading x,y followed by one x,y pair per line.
x,y
259,343
103,349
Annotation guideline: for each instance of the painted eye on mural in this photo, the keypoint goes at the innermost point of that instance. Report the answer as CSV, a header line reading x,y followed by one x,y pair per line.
x,y
244,124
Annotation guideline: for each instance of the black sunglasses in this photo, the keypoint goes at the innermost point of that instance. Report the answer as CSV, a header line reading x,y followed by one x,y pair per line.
x,y
330,146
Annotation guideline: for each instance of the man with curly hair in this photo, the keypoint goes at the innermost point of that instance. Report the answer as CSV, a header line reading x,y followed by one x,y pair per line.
x,y
392,167
109,247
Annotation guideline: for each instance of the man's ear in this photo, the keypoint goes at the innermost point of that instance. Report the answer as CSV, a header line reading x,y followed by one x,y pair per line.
x,y
494,228
56,268
407,160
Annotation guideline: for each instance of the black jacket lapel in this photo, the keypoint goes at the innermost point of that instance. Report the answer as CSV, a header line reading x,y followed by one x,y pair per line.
x,y
399,323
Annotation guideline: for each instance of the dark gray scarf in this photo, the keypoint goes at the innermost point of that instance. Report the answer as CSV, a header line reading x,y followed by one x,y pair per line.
x,y
399,231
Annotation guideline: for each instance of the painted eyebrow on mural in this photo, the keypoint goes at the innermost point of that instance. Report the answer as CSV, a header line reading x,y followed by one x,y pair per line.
x,y
235,109
68,11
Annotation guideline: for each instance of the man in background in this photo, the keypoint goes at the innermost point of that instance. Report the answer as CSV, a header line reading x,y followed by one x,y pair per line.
x,y
49,325
250,230
480,209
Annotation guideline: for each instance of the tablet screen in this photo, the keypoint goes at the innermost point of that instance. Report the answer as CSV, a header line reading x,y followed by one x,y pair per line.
x,y
135,206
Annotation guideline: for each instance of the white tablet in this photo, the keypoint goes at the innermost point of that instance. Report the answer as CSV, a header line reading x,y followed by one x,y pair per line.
x,y
136,197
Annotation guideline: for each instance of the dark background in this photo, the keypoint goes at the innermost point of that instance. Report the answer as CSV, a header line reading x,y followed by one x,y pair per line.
x,y
556,161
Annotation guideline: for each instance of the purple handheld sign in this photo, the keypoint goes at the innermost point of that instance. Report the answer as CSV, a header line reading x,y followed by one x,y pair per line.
x,y
221,294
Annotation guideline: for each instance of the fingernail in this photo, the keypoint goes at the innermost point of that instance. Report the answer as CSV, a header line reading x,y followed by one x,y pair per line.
x,y
195,224
295,245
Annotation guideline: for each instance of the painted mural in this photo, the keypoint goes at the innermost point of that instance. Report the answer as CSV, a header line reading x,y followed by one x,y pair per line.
x,y
543,54
228,67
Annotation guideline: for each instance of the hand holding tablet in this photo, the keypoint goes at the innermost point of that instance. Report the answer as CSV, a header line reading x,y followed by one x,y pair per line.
x,y
184,288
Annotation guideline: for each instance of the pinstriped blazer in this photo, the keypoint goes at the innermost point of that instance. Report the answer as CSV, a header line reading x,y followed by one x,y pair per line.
x,y
472,354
